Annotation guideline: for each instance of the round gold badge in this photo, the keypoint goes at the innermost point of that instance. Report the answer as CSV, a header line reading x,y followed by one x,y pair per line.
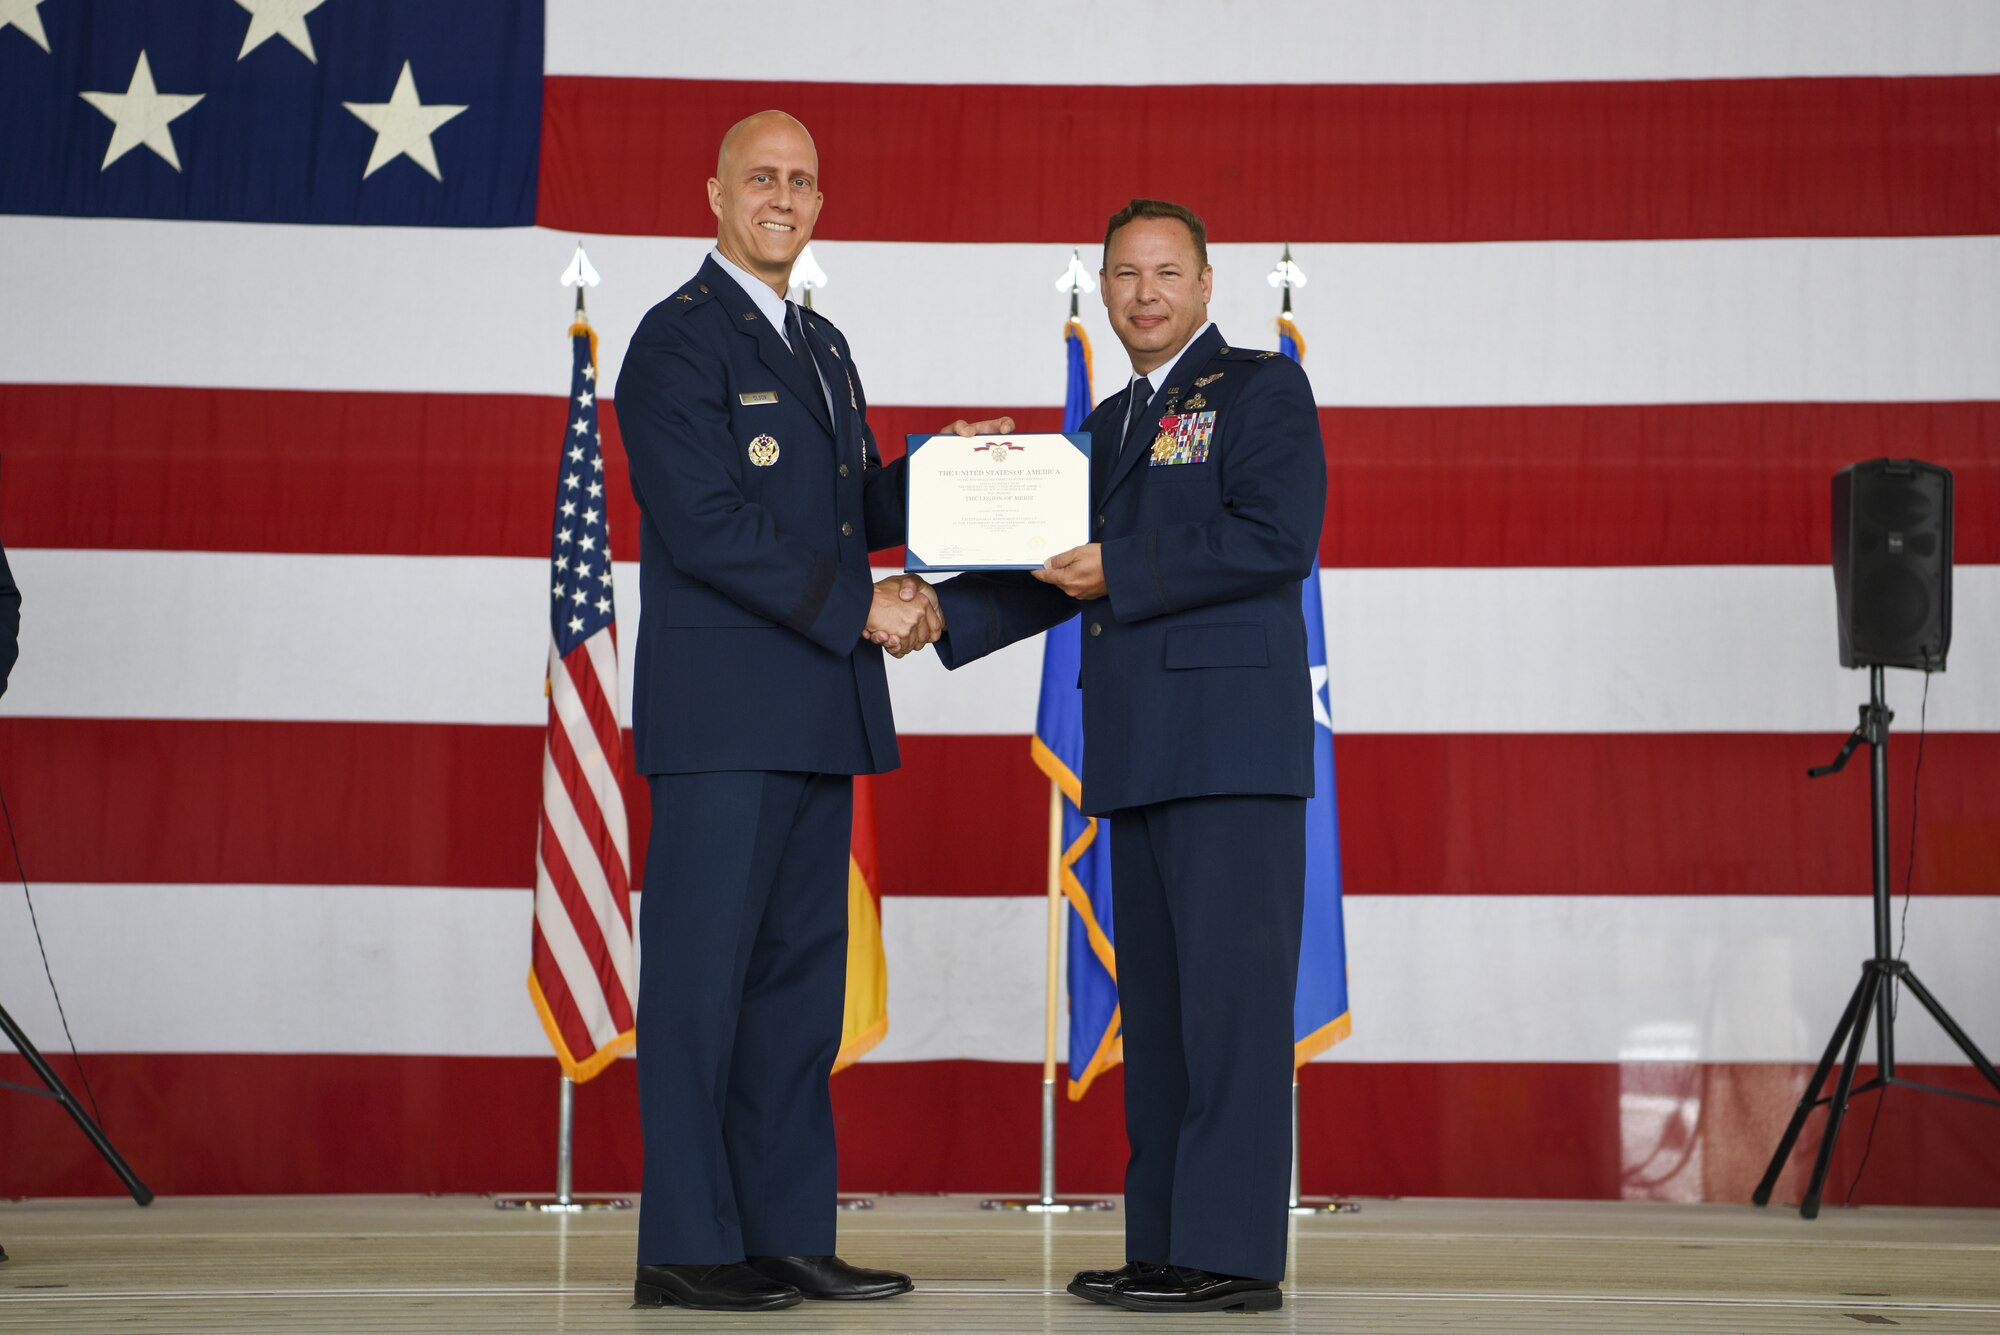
x,y
764,451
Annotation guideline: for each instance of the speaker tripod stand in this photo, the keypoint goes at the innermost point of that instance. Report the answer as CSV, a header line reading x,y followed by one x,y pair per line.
x,y
58,1091
1872,994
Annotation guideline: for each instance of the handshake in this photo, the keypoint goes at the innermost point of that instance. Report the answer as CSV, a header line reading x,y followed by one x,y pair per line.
x,y
904,615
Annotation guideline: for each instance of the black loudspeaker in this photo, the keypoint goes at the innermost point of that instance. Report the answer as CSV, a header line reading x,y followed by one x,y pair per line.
x,y
1892,563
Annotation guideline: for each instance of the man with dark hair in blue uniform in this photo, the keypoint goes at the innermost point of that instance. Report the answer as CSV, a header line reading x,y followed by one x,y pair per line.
x,y
759,692
1208,485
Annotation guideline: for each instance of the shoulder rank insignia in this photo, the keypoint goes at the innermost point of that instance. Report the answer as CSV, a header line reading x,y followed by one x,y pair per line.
x,y
1265,356
682,296
764,451
1208,379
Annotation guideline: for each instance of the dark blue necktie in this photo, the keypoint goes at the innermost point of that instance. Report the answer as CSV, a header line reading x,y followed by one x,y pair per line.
x,y
800,349
1136,416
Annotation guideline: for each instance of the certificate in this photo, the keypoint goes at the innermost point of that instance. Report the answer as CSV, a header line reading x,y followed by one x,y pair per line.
x,y
996,502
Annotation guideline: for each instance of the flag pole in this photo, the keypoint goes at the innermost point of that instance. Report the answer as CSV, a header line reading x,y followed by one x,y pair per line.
x,y
1075,280
566,1107
565,1201
1050,998
1286,276
1048,1202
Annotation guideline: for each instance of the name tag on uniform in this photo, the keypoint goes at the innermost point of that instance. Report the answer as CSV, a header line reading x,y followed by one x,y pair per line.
x,y
761,396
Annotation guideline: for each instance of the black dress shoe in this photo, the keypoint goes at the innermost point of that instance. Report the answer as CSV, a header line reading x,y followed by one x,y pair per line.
x,y
1095,1285
831,1278
733,1287
1182,1288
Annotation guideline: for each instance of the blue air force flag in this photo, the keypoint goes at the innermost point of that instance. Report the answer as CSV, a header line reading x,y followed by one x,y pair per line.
x,y
1320,1016
1095,1042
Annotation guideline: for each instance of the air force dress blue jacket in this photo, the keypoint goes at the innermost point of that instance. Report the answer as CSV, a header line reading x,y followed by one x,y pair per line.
x,y
761,501
1194,667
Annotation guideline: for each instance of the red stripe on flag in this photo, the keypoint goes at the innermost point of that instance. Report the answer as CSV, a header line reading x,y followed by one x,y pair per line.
x,y
561,999
289,471
583,798
418,804
226,1124
1387,162
591,936
1655,484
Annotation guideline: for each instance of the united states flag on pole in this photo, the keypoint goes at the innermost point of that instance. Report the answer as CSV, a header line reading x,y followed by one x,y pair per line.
x,y
581,977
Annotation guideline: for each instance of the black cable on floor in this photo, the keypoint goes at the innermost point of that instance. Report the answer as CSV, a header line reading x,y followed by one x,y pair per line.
x,y
20,870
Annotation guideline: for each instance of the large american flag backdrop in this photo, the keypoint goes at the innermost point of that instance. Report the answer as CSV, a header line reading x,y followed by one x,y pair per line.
x,y
1601,296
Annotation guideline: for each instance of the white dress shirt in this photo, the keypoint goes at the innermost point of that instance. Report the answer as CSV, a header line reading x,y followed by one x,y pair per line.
x,y
771,306
1157,376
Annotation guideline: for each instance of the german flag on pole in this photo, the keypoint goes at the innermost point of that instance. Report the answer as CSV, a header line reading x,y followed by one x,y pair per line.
x,y
866,1018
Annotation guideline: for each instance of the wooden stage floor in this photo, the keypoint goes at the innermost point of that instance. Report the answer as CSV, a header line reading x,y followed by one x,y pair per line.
x,y
456,1264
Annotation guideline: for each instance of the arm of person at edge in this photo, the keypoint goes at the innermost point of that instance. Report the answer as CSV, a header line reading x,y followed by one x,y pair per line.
x,y
1266,534
10,622
914,590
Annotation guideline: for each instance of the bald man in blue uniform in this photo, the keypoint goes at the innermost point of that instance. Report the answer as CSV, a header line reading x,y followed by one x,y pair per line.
x,y
1208,491
759,692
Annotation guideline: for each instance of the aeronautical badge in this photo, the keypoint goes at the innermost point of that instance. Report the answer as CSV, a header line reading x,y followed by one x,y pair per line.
x,y
1183,439
764,451
1208,380
1195,404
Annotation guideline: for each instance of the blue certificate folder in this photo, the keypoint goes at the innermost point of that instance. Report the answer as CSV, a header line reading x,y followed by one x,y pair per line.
x,y
914,559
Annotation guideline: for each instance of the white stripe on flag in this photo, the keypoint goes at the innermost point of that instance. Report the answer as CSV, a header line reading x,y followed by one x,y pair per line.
x,y
592,763
1565,650
1435,978
604,662
1288,41
1835,319
590,878
558,933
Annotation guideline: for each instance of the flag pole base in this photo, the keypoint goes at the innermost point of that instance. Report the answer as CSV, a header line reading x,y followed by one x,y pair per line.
x,y
1324,1205
1037,1205
563,1202
855,1203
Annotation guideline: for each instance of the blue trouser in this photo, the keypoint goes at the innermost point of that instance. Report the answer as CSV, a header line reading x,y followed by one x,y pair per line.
x,y
1207,898
743,973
